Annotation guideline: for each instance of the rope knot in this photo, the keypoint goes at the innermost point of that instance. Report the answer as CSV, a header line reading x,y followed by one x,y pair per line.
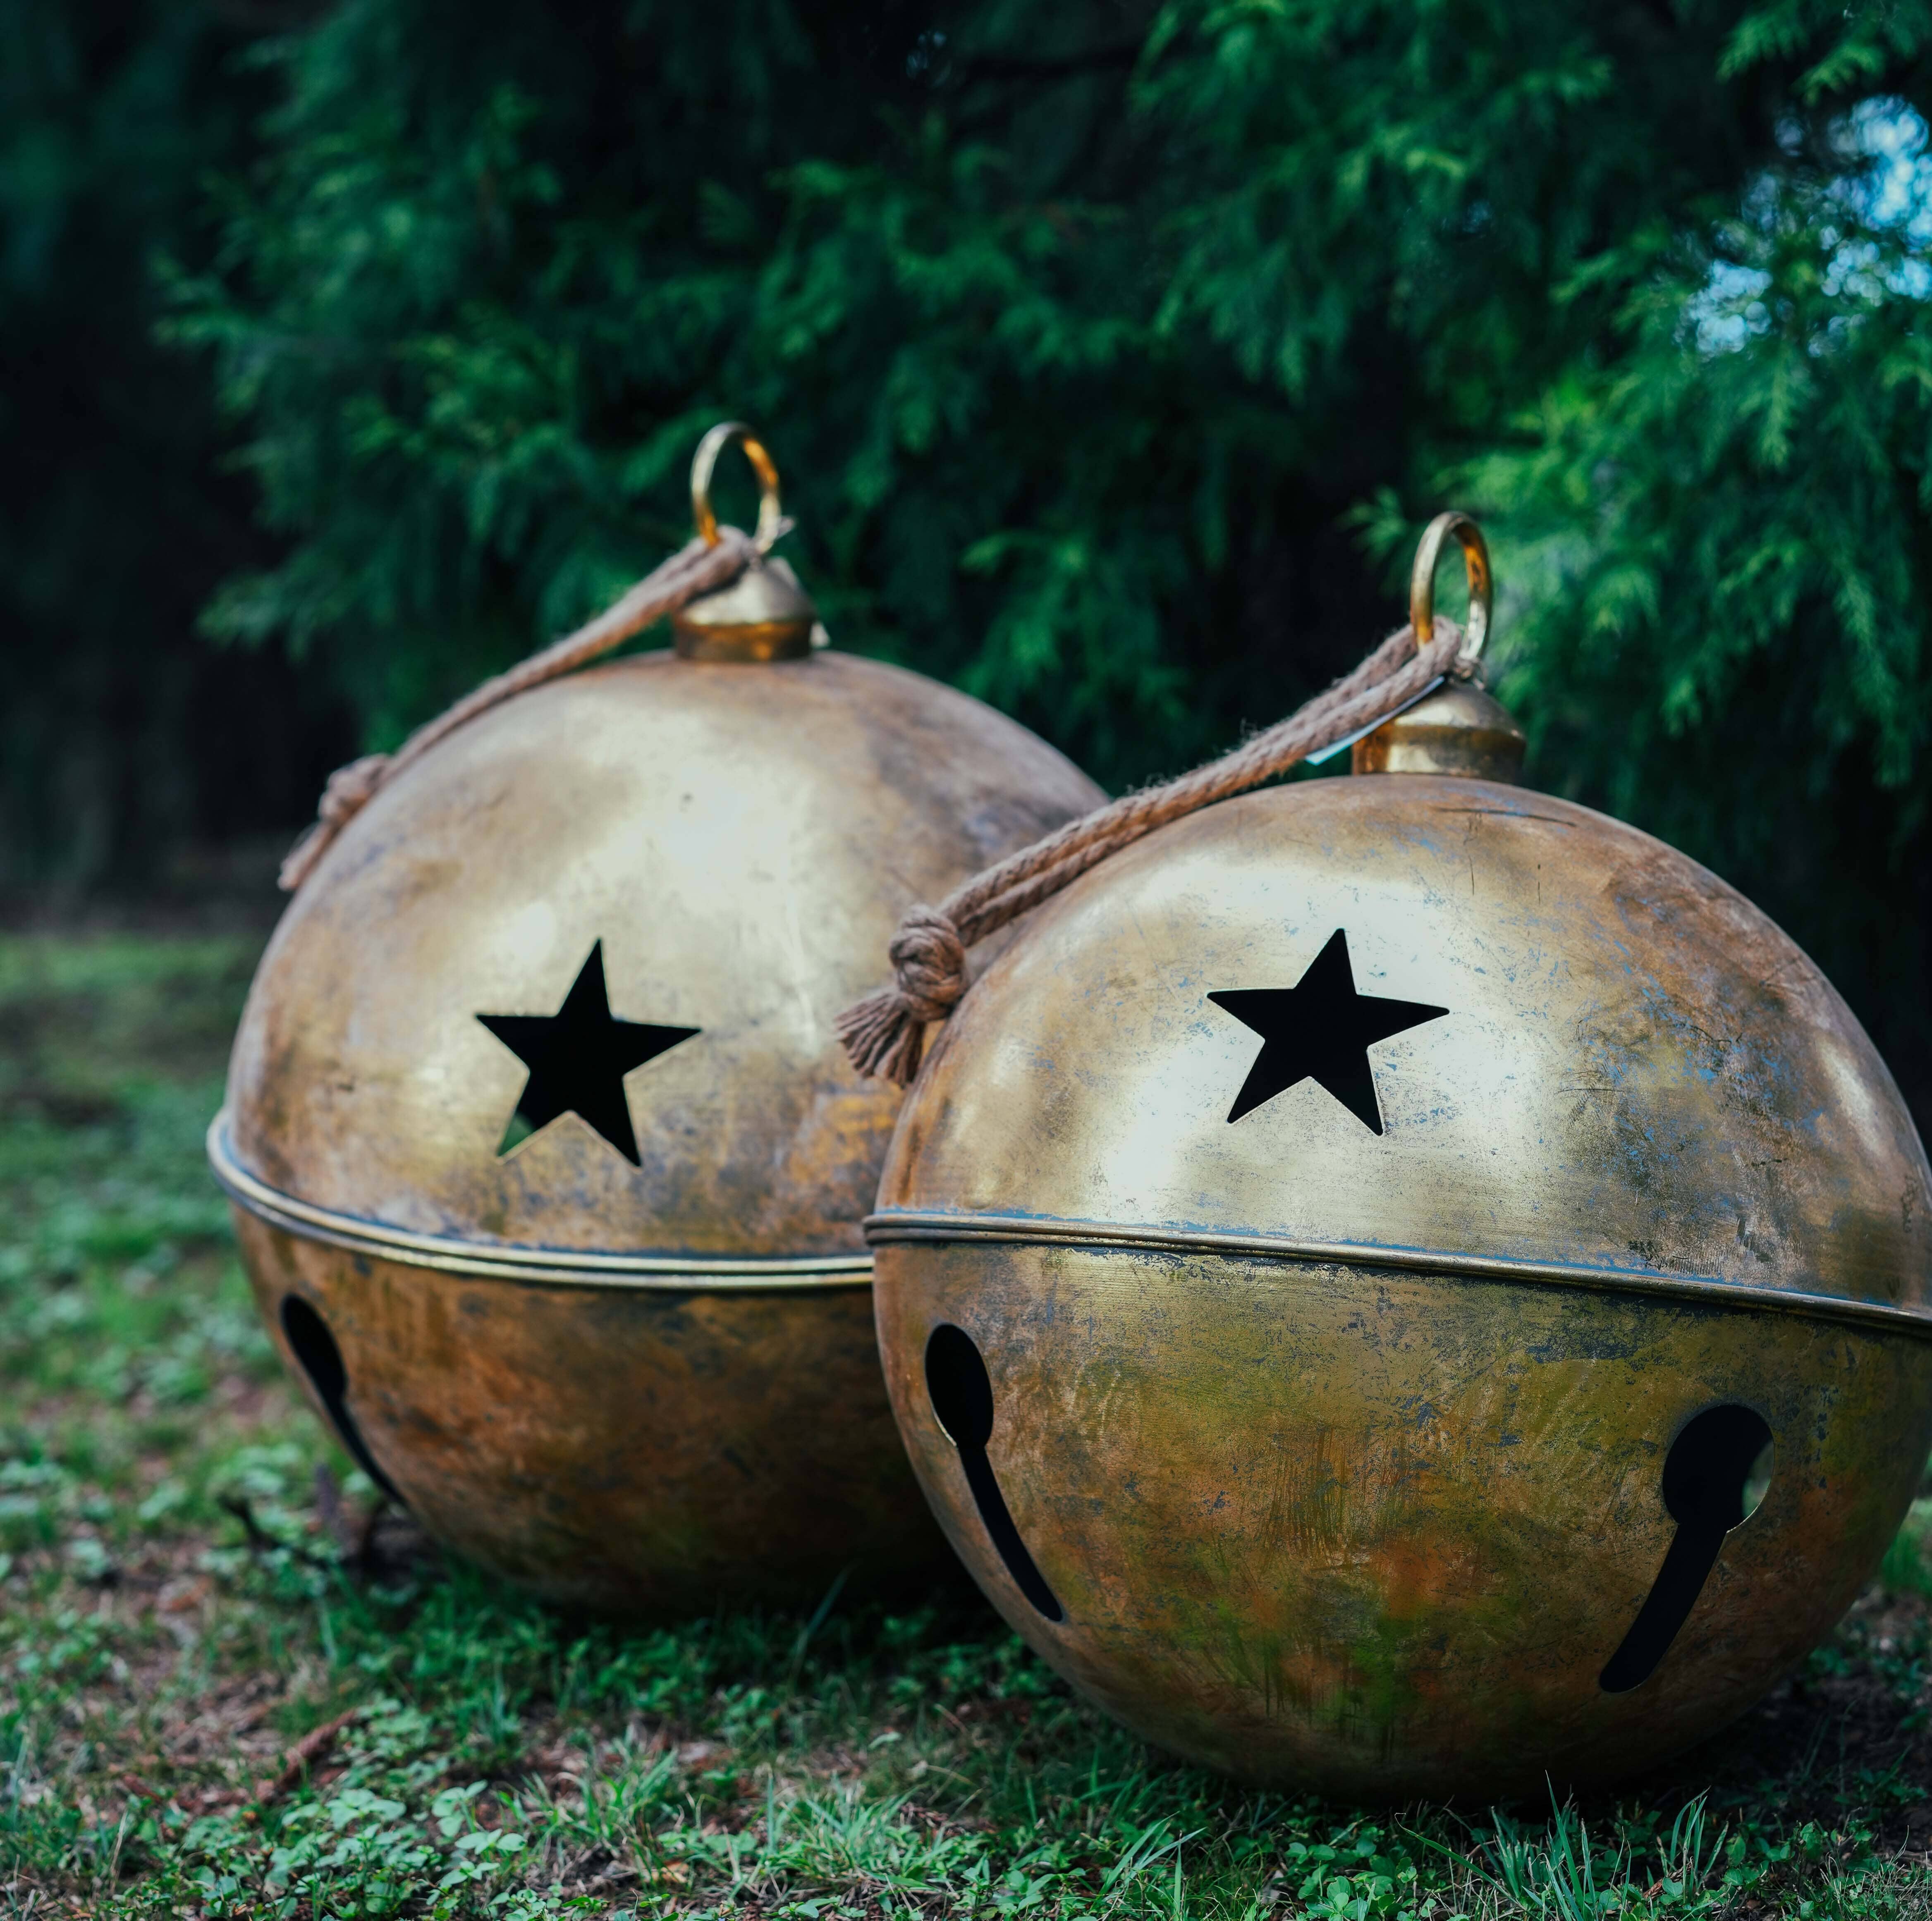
x,y
885,1033
929,961
351,789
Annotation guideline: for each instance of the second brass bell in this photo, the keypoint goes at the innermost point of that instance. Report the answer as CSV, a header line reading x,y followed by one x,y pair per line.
x,y
1400,1285
548,1170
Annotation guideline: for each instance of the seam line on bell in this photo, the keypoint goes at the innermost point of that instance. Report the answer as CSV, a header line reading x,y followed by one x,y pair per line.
x,y
896,1224
556,1267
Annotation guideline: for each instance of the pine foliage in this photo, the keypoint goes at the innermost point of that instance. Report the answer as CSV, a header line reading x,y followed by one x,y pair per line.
x,y
1114,352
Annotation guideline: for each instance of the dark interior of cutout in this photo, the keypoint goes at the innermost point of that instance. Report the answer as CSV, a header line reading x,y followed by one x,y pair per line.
x,y
1708,1481
962,1400
321,1360
577,1059
1320,1029
961,1389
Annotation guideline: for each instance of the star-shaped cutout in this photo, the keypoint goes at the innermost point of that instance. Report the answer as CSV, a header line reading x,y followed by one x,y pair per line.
x,y
577,1058
1320,1029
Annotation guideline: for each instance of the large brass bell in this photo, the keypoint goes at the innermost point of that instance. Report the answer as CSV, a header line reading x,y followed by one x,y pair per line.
x,y
548,1171
1399,1285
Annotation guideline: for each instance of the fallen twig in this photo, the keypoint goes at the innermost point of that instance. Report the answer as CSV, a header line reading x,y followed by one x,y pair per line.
x,y
328,1506
300,1758
355,1535
261,1540
296,1762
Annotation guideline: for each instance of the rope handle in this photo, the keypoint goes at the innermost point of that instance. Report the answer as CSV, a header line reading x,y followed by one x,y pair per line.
x,y
884,1034
715,557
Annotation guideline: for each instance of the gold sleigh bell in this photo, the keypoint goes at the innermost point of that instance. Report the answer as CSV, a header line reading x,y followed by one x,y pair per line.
x,y
1400,1286
548,1172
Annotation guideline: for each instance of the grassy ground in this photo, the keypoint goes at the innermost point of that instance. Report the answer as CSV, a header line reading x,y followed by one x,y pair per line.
x,y
221,1692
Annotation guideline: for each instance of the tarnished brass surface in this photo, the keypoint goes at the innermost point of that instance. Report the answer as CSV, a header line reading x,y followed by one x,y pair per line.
x,y
1459,728
1637,1071
764,615
1378,1532
570,1267
647,1450
741,841
1341,1450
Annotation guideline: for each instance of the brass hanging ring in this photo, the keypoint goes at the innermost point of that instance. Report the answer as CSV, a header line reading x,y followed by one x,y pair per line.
x,y
1476,563
704,462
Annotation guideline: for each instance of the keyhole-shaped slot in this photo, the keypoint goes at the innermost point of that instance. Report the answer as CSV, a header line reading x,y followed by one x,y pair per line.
x,y
321,1360
962,1400
1718,1471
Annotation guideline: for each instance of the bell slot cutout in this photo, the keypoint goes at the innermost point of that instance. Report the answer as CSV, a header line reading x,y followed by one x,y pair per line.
x,y
962,1401
321,1360
1717,1472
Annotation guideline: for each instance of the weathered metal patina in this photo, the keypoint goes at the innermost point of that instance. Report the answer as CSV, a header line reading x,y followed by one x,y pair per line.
x,y
1340,1267
627,1358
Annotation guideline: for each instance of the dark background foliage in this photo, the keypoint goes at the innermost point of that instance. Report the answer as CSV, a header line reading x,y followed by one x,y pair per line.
x,y
1113,352
123,734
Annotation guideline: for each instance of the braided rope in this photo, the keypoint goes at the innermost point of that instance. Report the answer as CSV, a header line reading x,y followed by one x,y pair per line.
x,y
884,1033
695,569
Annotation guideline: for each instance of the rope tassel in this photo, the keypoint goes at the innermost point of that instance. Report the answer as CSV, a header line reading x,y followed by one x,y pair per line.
x,y
885,1033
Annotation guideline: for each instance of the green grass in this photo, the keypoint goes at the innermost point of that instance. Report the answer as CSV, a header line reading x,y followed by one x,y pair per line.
x,y
177,1613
